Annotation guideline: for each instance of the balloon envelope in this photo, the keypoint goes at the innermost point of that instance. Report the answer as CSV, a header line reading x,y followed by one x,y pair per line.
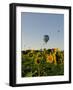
x,y
46,38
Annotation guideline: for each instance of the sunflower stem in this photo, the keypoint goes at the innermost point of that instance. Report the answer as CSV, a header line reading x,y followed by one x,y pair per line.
x,y
38,70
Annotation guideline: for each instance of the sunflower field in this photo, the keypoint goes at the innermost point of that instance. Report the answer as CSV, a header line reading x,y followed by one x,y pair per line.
x,y
47,62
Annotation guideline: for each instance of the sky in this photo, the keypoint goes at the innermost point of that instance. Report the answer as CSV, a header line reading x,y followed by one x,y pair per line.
x,y
35,25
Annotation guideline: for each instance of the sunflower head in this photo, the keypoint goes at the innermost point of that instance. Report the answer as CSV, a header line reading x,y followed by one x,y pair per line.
x,y
37,61
49,58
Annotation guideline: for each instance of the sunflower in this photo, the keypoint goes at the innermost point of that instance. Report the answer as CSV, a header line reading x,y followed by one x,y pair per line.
x,y
37,61
54,58
49,58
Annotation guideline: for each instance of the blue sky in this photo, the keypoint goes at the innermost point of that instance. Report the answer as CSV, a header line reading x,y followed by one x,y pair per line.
x,y
35,25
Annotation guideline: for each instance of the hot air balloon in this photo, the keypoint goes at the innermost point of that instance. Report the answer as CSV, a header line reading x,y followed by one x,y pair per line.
x,y
46,38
